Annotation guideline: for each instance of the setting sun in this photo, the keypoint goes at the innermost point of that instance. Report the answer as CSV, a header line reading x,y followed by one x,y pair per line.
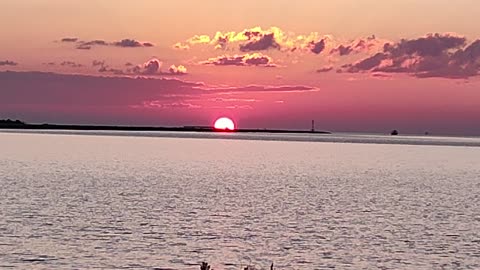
x,y
224,123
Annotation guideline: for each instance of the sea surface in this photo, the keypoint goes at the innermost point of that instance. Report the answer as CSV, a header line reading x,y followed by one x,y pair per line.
x,y
166,200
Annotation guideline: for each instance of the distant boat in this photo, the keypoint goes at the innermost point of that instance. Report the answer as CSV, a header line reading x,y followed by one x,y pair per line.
x,y
394,132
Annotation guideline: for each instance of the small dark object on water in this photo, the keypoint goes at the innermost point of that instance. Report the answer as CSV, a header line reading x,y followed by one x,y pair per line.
x,y
394,132
204,266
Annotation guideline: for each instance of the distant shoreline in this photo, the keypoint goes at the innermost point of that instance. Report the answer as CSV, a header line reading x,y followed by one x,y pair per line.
x,y
23,126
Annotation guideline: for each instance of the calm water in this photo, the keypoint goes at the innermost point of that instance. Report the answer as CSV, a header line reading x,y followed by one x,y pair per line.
x,y
129,202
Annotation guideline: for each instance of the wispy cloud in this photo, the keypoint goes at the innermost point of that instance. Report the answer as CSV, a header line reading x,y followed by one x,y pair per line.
x,y
161,104
104,68
254,59
8,63
69,39
361,45
71,64
261,88
325,69
52,89
131,43
124,43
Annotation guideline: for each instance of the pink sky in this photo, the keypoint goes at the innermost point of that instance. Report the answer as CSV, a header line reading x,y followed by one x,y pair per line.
x,y
368,67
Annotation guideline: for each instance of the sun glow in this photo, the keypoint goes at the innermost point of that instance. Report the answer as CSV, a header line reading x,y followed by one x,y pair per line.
x,y
224,123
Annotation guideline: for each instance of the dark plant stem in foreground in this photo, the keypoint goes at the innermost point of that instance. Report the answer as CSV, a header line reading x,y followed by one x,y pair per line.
x,y
206,266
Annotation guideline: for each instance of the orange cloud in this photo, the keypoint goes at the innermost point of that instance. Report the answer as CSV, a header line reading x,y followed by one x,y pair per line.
x,y
256,39
198,39
180,69
181,46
